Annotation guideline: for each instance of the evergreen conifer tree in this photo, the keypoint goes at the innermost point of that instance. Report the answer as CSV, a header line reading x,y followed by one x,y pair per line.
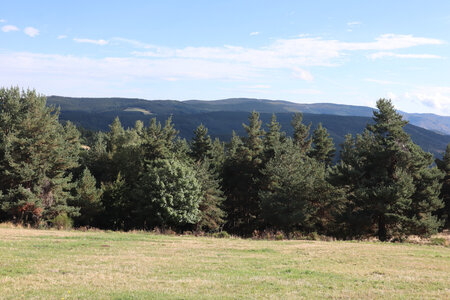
x,y
37,154
88,199
301,133
323,147
201,144
391,187
444,166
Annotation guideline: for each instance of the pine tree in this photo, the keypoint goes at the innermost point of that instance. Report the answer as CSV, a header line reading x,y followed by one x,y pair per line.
x,y
37,154
323,147
241,178
158,142
301,133
391,187
444,166
88,199
273,138
212,216
298,196
201,144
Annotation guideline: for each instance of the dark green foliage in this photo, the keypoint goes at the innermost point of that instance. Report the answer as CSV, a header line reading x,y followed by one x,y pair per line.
x,y
201,144
298,196
158,142
241,175
444,166
301,133
323,148
37,154
212,217
87,199
273,139
147,175
117,205
390,186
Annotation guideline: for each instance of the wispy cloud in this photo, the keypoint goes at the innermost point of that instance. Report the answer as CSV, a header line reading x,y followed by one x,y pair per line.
x,y
396,55
436,97
31,31
254,33
2,21
305,91
61,36
303,74
385,82
90,41
8,28
259,86
294,56
354,23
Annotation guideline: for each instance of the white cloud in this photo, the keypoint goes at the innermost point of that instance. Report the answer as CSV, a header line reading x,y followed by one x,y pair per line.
x,y
254,33
62,36
303,74
294,56
2,21
90,41
31,31
396,55
305,91
436,97
379,81
259,86
8,28
134,43
353,23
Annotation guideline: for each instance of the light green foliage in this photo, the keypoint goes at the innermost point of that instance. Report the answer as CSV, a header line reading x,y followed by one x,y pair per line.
x,y
169,194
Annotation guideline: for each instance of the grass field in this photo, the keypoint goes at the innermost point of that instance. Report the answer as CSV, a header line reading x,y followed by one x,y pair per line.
x,y
47,264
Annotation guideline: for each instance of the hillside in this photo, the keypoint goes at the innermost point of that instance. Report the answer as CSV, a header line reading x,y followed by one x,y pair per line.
x,y
221,117
440,124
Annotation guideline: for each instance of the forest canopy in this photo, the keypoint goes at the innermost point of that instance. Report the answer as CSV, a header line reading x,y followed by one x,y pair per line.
x,y
144,177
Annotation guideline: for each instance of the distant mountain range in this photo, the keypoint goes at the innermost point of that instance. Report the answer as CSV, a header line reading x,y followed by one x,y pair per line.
x,y
431,132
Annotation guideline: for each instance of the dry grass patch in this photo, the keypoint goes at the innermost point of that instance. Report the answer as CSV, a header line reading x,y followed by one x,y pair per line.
x,y
47,264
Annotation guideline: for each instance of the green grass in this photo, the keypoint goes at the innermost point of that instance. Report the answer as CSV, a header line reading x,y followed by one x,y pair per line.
x,y
49,264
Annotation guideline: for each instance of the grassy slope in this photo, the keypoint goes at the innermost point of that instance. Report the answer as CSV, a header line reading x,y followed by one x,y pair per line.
x,y
98,265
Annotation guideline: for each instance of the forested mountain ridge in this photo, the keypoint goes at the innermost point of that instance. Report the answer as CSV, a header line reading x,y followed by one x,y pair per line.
x,y
440,124
221,117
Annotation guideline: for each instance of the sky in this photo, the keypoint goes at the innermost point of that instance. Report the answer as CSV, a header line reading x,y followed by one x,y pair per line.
x,y
347,52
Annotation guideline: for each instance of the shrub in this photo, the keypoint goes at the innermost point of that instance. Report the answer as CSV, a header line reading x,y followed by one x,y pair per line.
x,y
62,221
221,235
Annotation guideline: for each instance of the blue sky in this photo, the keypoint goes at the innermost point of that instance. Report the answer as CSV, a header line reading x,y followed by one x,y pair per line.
x,y
349,52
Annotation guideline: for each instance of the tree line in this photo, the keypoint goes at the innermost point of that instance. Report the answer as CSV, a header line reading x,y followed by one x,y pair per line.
x,y
146,177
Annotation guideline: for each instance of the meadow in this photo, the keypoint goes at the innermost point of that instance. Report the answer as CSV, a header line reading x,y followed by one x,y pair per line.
x,y
52,264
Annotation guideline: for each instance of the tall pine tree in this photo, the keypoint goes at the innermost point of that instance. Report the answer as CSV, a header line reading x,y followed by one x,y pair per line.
x,y
391,187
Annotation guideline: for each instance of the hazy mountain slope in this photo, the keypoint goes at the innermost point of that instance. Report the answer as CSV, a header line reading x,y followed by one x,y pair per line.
x,y
428,121
221,124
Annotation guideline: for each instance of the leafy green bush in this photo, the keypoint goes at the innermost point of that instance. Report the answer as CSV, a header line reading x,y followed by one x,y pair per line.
x,y
221,235
62,221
